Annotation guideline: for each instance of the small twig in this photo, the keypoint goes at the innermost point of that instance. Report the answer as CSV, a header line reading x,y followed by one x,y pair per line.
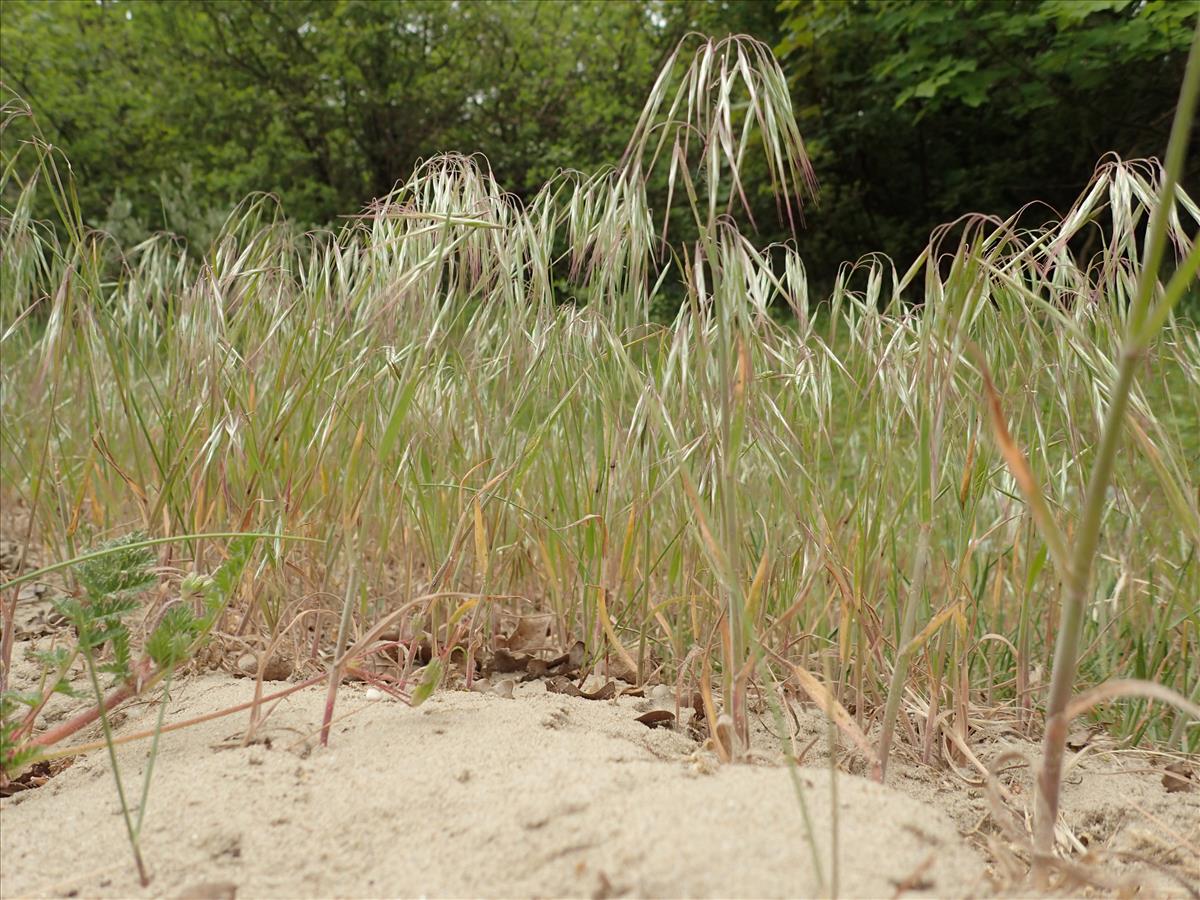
x,y
174,726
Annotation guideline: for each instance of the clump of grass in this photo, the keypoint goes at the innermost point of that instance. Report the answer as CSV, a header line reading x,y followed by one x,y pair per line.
x,y
471,432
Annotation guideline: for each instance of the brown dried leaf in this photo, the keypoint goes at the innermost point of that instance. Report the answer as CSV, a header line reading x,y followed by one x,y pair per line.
x,y
569,662
560,684
504,662
1177,777
659,718
621,668
531,633
36,775
607,692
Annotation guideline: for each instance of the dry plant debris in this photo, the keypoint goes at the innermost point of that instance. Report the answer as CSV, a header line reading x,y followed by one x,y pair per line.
x,y
1178,776
657,718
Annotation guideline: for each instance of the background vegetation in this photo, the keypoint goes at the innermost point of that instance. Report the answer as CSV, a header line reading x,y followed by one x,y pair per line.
x,y
458,407
914,112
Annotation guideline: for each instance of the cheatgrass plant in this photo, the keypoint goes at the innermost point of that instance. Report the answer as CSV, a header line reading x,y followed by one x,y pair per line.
x,y
466,398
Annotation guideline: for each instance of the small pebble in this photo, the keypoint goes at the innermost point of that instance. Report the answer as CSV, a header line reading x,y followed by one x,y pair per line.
x,y
374,694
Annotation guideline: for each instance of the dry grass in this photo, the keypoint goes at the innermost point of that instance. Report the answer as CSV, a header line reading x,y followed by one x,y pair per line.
x,y
766,484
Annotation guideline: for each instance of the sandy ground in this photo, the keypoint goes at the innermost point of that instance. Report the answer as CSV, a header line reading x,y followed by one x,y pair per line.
x,y
540,795
469,795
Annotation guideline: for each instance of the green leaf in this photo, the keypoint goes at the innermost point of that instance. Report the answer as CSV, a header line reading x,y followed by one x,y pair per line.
x,y
226,579
1035,567
14,759
429,682
118,666
53,659
62,686
122,572
9,700
171,641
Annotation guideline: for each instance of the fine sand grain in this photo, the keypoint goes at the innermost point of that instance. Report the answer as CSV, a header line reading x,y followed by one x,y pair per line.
x,y
469,795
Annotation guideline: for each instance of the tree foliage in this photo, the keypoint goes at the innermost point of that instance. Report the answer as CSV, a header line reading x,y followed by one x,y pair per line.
x,y
325,104
914,111
920,111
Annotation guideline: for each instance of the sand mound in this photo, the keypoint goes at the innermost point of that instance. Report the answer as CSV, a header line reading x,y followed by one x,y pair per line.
x,y
469,795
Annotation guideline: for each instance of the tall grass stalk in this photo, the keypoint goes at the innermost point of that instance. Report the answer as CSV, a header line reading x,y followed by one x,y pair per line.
x,y
1147,312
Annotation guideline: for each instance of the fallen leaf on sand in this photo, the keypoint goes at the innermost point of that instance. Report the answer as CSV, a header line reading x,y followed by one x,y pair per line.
x,y
569,662
658,718
35,776
531,633
607,692
505,662
566,664
1177,777
560,684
